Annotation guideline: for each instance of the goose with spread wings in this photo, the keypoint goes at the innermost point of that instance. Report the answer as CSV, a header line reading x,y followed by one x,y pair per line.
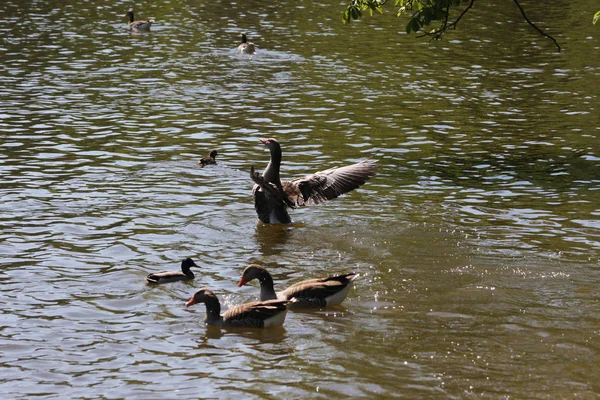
x,y
272,197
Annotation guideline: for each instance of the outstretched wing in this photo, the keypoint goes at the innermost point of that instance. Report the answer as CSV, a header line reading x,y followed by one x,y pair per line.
x,y
269,189
329,184
270,201
261,203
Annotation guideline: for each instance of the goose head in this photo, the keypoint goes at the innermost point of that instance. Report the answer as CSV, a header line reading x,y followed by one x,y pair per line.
x,y
201,296
252,271
271,144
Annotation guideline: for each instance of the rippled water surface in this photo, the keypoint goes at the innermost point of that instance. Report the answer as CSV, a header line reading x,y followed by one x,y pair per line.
x,y
477,241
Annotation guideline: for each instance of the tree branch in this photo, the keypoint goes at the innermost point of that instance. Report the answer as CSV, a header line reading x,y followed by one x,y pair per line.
x,y
453,24
445,25
534,26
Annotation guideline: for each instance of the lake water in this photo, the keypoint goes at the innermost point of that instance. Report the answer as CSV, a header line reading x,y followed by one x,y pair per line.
x,y
477,241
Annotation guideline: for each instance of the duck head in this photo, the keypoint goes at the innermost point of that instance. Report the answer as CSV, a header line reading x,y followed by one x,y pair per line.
x,y
188,263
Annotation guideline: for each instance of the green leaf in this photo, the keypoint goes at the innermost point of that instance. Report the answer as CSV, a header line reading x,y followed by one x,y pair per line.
x,y
416,25
427,16
413,25
596,17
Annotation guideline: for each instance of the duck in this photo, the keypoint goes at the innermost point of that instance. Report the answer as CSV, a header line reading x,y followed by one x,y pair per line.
x,y
312,293
173,276
272,197
210,159
246,47
258,314
139,26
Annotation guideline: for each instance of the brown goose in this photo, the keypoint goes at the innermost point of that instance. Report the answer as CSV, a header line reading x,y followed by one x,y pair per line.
x,y
259,314
139,26
272,197
210,159
312,293
246,47
173,276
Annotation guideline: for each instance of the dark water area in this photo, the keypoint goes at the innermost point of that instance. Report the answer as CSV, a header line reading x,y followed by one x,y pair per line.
x,y
477,241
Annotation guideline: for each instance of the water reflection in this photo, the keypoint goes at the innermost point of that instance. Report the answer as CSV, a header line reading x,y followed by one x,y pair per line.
x,y
258,336
271,238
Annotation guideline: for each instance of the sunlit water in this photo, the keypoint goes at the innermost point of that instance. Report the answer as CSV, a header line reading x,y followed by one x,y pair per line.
x,y
477,242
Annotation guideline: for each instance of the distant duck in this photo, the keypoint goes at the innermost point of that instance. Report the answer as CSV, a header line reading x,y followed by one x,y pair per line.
x,y
272,197
246,47
139,26
210,159
312,293
258,314
173,276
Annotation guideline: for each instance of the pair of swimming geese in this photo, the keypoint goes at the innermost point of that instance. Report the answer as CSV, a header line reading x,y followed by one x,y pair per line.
x,y
245,47
272,308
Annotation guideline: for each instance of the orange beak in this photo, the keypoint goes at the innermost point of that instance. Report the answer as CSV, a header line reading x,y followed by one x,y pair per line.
x,y
242,282
264,141
190,302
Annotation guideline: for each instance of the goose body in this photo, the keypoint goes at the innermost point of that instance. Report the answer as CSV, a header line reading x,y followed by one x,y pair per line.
x,y
311,293
272,197
173,276
139,26
210,159
258,314
246,47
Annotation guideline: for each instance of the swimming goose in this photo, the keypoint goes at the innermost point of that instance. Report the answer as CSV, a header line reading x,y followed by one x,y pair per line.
x,y
312,293
246,47
173,276
258,314
138,25
272,197
210,159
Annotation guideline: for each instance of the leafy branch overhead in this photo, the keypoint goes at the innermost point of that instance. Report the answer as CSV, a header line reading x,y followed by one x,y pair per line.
x,y
423,13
